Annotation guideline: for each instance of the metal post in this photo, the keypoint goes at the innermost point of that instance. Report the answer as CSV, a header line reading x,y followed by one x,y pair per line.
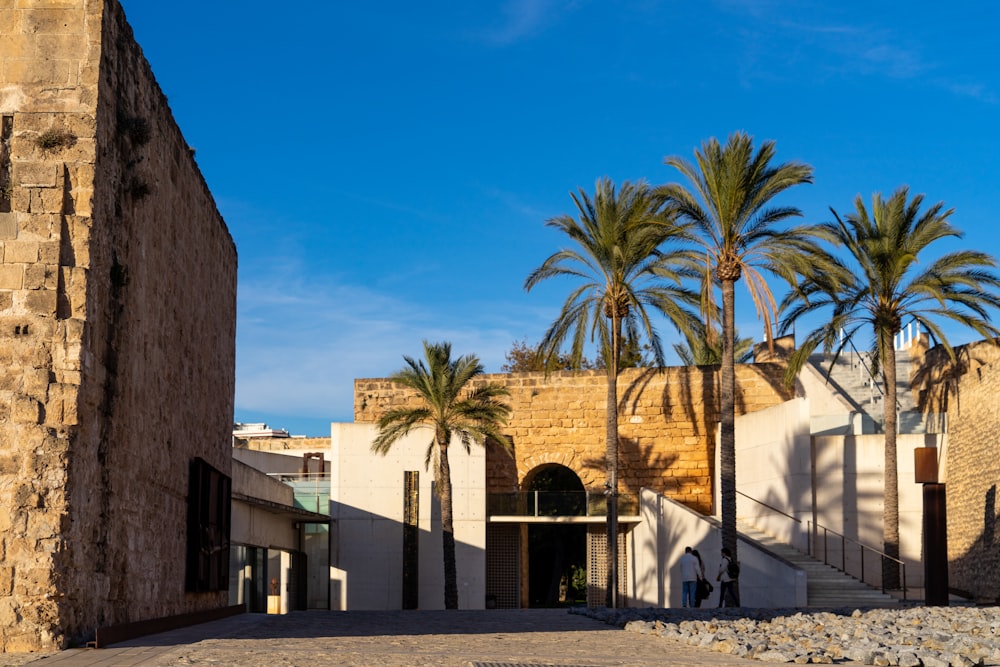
x,y
935,546
861,550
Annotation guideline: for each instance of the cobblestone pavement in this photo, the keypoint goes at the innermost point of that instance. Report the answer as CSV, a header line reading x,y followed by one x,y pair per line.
x,y
487,638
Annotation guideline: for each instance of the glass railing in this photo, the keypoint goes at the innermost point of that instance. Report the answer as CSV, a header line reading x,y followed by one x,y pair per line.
x,y
859,423
557,503
311,491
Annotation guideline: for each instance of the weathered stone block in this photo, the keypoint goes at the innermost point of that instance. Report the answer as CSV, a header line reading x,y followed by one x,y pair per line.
x,y
41,302
25,252
35,276
38,226
10,464
66,45
16,45
57,17
11,277
36,382
8,226
44,200
30,581
55,406
31,174
48,252
25,410
39,72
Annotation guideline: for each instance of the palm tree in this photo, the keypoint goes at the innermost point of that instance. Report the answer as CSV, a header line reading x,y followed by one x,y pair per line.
x,y
627,272
449,407
887,288
728,205
703,347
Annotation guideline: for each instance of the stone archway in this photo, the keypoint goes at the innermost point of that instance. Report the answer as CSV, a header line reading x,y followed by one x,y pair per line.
x,y
557,552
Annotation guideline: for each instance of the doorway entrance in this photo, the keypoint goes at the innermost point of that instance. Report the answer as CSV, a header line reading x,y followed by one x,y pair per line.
x,y
557,553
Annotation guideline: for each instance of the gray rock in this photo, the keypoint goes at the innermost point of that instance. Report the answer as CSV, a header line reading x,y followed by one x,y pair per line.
x,y
775,656
957,636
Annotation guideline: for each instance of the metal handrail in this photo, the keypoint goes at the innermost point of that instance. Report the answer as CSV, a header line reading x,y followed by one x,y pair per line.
x,y
875,381
843,553
555,503
871,374
773,509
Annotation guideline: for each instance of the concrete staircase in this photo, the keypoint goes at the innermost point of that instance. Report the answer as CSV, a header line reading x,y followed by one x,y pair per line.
x,y
826,586
851,376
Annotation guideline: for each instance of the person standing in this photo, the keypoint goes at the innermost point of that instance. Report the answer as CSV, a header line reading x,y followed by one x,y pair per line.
x,y
689,578
727,578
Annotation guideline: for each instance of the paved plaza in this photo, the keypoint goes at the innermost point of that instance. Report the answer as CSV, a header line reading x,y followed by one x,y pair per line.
x,y
488,638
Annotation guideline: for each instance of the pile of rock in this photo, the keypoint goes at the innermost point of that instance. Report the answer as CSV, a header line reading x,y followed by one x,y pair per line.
x,y
911,637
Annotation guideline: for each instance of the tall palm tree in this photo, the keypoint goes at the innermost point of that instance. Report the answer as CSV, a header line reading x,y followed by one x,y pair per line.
x,y
888,287
628,270
448,407
728,204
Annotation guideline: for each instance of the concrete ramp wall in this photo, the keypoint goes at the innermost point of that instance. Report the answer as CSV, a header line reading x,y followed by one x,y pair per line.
x,y
658,542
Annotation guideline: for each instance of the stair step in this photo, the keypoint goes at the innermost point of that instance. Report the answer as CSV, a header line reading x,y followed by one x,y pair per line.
x,y
826,586
850,376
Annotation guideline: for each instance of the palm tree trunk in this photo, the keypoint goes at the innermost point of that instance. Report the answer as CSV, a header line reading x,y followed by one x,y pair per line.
x,y
890,511
727,418
611,456
447,527
611,459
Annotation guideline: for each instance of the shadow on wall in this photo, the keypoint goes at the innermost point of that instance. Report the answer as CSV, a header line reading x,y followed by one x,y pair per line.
x,y
368,559
501,467
701,410
973,574
633,459
658,544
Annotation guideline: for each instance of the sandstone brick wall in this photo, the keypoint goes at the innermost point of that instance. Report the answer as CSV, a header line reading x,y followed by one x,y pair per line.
x,y
666,424
282,444
117,329
973,470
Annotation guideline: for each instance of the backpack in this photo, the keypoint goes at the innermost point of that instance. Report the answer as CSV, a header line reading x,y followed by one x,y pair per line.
x,y
733,569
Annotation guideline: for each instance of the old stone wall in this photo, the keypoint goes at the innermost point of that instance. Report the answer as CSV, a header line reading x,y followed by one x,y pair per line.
x,y
319,444
666,423
973,468
117,329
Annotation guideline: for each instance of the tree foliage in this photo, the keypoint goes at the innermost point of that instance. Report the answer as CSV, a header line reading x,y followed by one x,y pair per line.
x,y
703,347
887,286
626,261
525,358
728,202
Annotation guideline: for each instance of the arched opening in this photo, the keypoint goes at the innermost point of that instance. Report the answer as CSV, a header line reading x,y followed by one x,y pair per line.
x,y
557,553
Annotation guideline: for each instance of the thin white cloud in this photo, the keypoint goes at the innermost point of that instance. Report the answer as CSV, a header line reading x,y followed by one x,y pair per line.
x,y
522,19
301,346
834,49
887,59
514,203
976,91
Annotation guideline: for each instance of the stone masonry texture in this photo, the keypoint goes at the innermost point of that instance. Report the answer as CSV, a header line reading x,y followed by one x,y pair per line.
x,y
117,329
967,389
666,422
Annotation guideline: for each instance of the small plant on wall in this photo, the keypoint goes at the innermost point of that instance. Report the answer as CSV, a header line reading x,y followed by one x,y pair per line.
x,y
136,128
53,139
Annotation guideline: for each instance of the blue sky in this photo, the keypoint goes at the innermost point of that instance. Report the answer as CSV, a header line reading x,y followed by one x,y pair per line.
x,y
386,168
